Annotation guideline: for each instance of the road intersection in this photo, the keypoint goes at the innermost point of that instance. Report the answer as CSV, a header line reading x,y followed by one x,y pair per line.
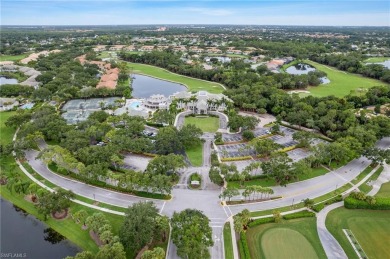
x,y
207,198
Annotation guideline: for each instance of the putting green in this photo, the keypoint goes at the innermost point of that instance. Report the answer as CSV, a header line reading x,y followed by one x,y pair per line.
x,y
286,243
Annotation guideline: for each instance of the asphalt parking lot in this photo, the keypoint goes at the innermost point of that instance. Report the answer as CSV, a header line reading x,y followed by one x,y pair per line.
x,y
298,154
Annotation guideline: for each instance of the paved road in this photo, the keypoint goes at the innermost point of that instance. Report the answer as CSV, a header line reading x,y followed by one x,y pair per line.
x,y
311,188
207,199
91,192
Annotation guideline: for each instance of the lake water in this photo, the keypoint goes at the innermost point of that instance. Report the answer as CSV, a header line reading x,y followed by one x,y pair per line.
x,y
384,63
304,69
145,86
24,235
7,81
300,69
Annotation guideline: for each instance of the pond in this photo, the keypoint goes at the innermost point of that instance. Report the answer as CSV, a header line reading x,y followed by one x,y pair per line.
x,y
22,235
300,69
386,63
145,86
7,81
304,69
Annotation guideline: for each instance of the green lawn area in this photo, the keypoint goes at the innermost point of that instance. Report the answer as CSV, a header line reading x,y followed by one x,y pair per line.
x,y
370,227
6,134
341,83
13,58
227,241
206,124
384,191
195,155
268,182
289,239
376,59
192,84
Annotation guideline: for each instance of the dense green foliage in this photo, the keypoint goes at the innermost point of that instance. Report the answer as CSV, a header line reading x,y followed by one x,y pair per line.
x,y
143,225
299,214
192,234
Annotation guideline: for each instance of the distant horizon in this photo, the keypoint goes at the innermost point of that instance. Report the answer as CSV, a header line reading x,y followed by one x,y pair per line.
x,y
177,24
357,13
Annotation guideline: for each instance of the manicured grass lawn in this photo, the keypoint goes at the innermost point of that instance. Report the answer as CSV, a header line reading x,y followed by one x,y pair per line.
x,y
289,239
341,83
227,241
376,59
6,133
195,155
13,58
384,191
268,182
206,124
370,227
191,83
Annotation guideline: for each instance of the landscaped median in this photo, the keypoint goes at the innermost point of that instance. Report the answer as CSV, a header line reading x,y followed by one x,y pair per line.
x,y
54,168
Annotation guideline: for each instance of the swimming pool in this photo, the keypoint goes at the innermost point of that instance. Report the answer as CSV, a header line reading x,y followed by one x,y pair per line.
x,y
135,104
27,106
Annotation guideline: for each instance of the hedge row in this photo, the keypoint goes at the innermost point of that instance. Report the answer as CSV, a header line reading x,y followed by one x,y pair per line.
x,y
299,214
318,207
243,247
286,149
239,158
380,204
153,124
260,221
53,167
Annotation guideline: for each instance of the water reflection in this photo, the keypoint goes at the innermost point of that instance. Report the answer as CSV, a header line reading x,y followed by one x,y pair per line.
x,y
21,233
145,86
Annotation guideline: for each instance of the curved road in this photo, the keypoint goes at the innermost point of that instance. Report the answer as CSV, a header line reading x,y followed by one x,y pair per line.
x,y
207,199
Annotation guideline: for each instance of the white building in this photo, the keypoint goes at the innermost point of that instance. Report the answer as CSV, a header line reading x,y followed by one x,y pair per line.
x,y
201,102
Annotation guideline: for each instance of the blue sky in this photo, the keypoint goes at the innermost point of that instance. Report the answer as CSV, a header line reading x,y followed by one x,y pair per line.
x,y
276,12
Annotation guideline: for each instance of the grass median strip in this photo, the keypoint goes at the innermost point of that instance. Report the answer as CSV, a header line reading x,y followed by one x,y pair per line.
x,y
227,241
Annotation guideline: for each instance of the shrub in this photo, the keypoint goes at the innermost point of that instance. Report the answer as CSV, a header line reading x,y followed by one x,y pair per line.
x,y
54,168
248,135
152,124
243,246
318,207
260,221
300,214
239,158
380,203
334,200
286,149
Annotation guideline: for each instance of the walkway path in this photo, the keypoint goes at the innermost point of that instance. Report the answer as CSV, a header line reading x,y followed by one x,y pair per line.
x,y
384,177
330,244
